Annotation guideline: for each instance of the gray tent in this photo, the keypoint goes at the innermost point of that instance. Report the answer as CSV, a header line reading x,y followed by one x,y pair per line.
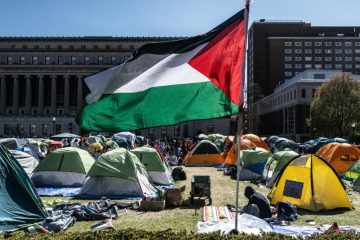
x,y
27,162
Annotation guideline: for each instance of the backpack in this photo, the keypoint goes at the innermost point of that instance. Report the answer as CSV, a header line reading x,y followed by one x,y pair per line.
x,y
286,211
178,174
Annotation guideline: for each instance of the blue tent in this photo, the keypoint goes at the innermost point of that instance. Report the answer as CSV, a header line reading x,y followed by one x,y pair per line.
x,y
312,146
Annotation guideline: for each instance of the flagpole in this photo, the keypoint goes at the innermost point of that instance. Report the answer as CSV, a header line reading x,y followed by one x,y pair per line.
x,y
240,118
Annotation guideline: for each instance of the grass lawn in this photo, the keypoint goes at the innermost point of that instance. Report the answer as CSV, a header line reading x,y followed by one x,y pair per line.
x,y
223,192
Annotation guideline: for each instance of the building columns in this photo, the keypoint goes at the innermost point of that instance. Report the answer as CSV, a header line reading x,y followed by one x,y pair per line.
x,y
79,93
16,95
66,95
3,96
28,95
41,95
53,95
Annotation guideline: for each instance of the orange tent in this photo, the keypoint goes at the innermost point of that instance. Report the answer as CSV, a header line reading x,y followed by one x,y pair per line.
x,y
256,141
231,156
204,154
340,155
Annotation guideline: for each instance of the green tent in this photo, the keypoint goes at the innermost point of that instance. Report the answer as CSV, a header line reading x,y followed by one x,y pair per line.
x,y
118,173
217,139
275,164
253,162
111,144
63,167
354,171
20,205
27,162
155,166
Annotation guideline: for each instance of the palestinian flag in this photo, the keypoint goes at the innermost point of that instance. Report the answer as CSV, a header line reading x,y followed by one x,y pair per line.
x,y
170,82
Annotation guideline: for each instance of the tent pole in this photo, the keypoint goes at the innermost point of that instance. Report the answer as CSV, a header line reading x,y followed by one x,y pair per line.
x,y
240,117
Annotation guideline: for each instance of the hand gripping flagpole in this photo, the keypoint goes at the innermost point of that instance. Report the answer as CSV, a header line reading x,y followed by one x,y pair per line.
x,y
240,117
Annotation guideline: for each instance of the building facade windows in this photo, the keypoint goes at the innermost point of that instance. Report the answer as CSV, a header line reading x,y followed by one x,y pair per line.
x,y
338,59
357,51
303,93
348,66
47,60
318,44
287,58
357,59
308,51
298,44
338,51
298,59
318,59
72,60
308,59
348,44
297,66
288,44
348,59
100,60
34,60
338,44
288,74
357,44
348,51
338,66
297,51
60,60
22,60
357,66
328,59
327,44
328,51
9,60
318,51
318,66
86,60
328,66
288,51
308,44
113,60
308,66
288,66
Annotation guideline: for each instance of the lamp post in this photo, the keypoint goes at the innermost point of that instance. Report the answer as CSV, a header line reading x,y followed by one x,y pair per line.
x,y
54,121
353,125
70,127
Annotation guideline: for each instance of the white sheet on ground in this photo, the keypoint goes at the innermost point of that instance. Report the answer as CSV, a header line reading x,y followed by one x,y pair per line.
x,y
246,224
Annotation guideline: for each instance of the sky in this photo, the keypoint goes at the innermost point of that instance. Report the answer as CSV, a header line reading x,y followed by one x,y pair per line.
x,y
159,17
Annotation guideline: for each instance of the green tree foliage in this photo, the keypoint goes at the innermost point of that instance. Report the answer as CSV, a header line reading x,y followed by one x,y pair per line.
x,y
336,106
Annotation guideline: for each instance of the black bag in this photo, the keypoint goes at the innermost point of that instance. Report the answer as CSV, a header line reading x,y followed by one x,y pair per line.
x,y
286,211
178,174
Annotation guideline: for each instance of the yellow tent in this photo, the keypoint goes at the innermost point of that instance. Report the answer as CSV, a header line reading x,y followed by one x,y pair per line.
x,y
340,155
204,154
309,182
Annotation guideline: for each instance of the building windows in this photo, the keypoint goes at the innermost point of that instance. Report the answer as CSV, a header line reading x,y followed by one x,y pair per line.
x,y
328,59
318,51
328,51
298,59
338,59
357,66
338,66
303,93
288,74
319,76
288,51
328,66
288,65
9,60
297,73
47,46
83,46
313,92
357,44
60,60
32,130
24,47
8,130
72,60
338,44
308,51
357,59
318,66
131,47
348,51
86,60
100,60
348,66
317,44
308,44
307,66
45,129
47,60
288,44
295,94
348,59
298,44
119,46
95,47
297,66
34,60
163,131
318,59
22,60
288,58
348,44
107,46
59,46
297,51
177,130
71,46
327,44
113,60
357,51
308,59
338,51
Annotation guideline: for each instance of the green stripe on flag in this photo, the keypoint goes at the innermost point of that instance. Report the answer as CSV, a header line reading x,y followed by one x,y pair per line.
x,y
156,106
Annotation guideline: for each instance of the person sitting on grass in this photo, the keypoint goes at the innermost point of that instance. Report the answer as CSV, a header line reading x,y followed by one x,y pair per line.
x,y
256,198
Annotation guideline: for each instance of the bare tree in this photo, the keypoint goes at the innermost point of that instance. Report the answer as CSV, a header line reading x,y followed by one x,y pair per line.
x,y
336,106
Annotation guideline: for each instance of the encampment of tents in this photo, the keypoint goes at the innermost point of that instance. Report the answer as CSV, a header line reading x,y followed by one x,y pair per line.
x,y
340,155
20,205
205,154
19,144
275,164
65,167
155,166
302,183
118,173
27,162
